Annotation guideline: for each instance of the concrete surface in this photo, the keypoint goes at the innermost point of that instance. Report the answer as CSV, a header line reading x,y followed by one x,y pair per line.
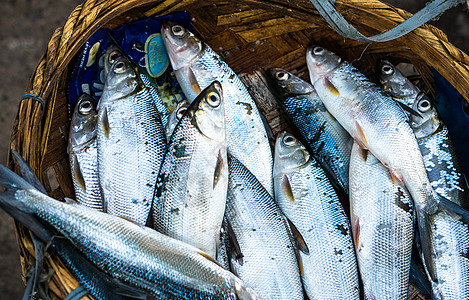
x,y
25,29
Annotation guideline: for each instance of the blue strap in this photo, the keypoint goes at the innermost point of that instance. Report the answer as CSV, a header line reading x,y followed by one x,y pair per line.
x,y
339,24
34,97
77,293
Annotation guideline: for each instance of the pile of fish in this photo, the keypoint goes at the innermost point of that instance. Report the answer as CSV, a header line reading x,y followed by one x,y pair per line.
x,y
193,204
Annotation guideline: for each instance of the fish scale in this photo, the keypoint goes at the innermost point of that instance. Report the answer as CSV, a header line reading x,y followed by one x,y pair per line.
x,y
307,198
190,195
268,263
196,66
161,266
383,227
130,145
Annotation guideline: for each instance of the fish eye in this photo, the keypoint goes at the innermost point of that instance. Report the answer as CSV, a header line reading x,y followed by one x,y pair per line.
x,y
120,67
318,50
113,56
213,99
289,140
85,107
178,30
282,75
424,105
181,111
387,70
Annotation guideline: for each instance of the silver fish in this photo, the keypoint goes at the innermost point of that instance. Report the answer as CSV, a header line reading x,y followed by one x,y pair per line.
x,y
161,266
329,142
439,156
307,198
131,141
378,124
264,257
192,183
83,153
383,227
196,66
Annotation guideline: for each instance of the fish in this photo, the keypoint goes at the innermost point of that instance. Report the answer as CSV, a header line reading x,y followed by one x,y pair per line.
x,y
175,116
131,141
322,230
196,66
83,153
383,227
439,155
261,247
378,124
330,144
138,256
192,183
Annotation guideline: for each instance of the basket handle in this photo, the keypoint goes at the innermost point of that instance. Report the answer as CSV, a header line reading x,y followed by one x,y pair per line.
x,y
344,28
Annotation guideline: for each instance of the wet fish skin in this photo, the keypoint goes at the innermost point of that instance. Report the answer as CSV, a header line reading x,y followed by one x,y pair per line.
x,y
267,261
83,153
308,200
196,66
131,142
382,220
175,116
192,183
438,153
328,140
138,256
377,123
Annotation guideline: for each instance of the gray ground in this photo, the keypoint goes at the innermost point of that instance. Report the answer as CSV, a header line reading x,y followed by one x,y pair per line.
x,y
25,29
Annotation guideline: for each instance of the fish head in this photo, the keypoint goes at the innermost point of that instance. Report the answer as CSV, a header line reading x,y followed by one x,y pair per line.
x,y
110,56
83,125
290,153
182,45
121,80
429,122
393,82
176,116
286,84
320,61
210,113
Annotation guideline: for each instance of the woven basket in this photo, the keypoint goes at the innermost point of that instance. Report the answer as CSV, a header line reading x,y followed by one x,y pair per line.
x,y
251,35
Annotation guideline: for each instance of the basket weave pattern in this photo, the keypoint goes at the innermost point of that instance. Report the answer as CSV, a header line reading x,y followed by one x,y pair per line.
x,y
251,35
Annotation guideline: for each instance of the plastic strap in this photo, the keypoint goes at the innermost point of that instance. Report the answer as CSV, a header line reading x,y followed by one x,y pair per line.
x,y
34,97
339,24
77,293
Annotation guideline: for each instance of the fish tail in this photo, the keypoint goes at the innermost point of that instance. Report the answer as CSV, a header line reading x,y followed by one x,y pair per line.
x,y
10,180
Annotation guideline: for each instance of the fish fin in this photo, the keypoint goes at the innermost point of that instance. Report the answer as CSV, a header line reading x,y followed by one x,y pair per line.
x,y
287,189
361,138
27,173
130,220
193,81
363,153
70,200
210,258
268,130
356,233
234,252
330,86
10,179
300,264
78,174
419,280
395,177
298,238
126,291
105,123
218,168
408,109
453,208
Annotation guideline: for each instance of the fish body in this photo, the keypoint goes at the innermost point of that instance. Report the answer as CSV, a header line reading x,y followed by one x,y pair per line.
x,y
308,200
329,142
378,124
196,66
131,141
382,220
192,183
438,152
161,266
266,261
83,153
